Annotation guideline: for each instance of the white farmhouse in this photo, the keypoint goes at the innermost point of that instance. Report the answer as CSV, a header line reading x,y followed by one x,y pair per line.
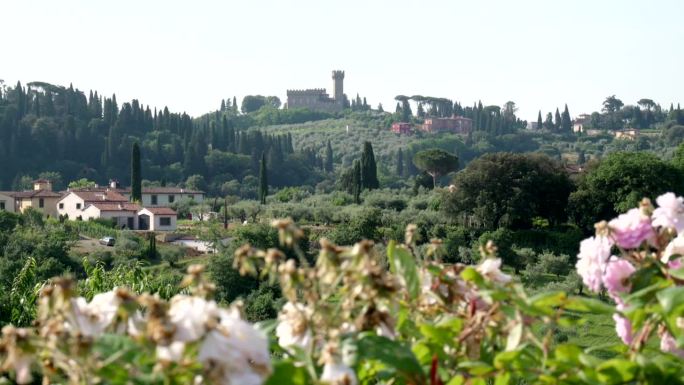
x,y
124,214
157,219
74,203
6,202
166,196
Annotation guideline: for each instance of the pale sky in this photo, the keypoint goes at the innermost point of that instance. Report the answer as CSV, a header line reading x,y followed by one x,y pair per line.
x,y
188,55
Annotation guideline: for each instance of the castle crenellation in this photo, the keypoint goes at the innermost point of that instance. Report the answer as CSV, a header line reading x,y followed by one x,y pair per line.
x,y
317,99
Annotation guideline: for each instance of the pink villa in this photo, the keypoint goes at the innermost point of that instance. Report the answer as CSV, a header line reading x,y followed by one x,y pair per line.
x,y
455,124
402,128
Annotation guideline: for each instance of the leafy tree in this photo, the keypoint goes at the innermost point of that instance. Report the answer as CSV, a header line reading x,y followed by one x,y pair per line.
x,y
554,264
369,170
612,104
548,123
263,180
648,104
436,162
136,178
252,103
81,184
508,190
619,182
196,182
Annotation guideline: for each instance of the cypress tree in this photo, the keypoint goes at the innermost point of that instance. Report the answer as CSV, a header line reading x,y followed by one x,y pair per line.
x,y
329,158
539,121
557,120
136,178
369,171
263,182
357,181
581,158
235,106
225,213
406,111
400,163
566,123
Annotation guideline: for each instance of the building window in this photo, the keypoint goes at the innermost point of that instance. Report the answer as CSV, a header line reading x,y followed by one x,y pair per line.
x,y
78,206
172,198
61,206
164,221
2,205
154,199
41,203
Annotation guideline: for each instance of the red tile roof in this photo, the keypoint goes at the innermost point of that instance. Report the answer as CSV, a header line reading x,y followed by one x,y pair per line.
x,y
100,196
110,206
160,210
34,194
166,190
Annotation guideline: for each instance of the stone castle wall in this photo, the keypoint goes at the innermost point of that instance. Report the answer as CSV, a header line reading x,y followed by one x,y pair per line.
x,y
317,99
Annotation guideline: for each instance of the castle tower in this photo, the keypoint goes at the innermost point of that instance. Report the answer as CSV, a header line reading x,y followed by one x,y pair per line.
x,y
338,88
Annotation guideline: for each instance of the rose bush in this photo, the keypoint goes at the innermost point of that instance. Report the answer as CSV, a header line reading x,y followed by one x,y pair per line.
x,y
356,317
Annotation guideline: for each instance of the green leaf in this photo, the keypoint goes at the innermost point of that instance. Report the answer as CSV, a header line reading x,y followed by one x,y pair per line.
x,y
439,335
458,380
503,378
568,353
589,305
548,300
617,371
677,273
671,298
477,368
393,354
471,275
402,263
285,372
514,337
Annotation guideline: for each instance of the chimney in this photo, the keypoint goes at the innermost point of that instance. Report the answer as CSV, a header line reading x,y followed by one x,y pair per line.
x,y
113,183
42,184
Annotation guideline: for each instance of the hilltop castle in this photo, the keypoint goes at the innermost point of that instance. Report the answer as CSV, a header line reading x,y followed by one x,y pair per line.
x,y
317,99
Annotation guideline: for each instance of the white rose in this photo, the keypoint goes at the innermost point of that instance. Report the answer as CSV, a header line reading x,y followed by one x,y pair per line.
x,y
172,352
93,318
338,374
190,315
490,268
293,327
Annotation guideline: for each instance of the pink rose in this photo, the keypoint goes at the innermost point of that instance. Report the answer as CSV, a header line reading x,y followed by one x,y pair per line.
x,y
631,229
623,327
616,277
591,260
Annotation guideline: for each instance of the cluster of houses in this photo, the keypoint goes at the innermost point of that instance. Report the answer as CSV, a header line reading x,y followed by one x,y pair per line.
x,y
455,124
111,202
579,126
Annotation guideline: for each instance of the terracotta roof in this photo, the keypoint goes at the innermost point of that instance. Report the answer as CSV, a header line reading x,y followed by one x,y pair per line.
x,y
34,194
166,190
100,196
160,210
110,206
